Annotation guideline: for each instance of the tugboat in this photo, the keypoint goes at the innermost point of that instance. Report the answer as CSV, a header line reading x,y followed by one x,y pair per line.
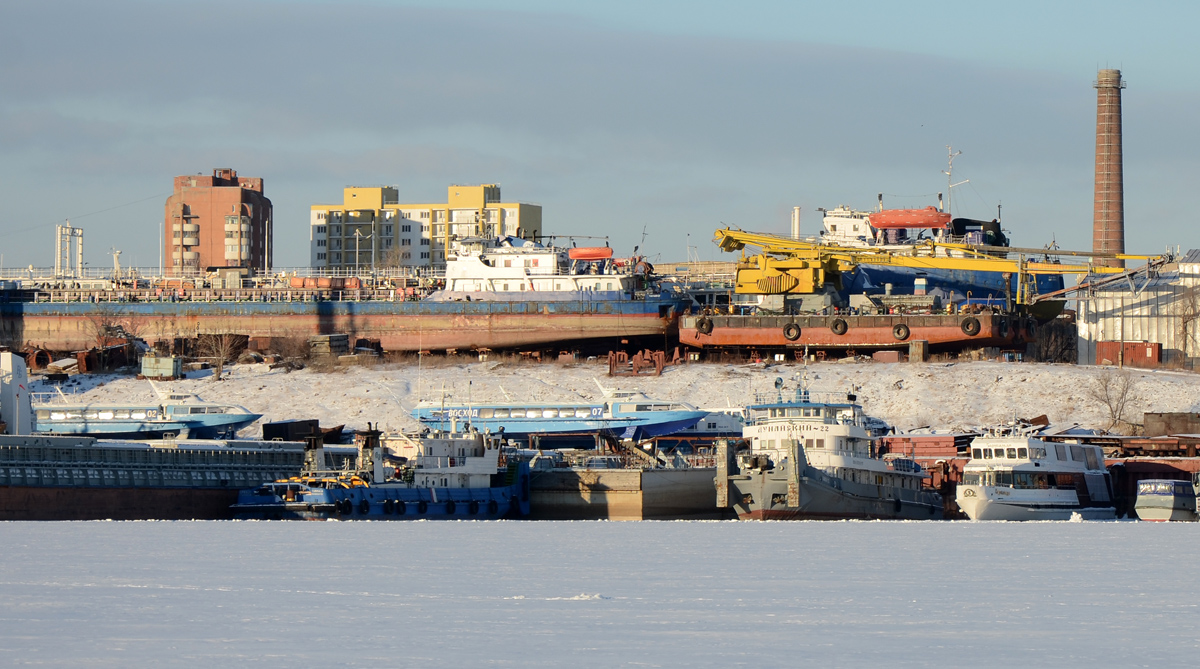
x,y
433,476
813,457
1014,475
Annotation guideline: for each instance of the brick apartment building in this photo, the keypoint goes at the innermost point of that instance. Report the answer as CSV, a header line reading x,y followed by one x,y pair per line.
x,y
221,221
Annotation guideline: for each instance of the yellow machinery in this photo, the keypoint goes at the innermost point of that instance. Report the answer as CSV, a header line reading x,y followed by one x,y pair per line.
x,y
794,267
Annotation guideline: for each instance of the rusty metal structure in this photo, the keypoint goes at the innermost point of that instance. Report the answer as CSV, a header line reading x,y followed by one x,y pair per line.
x,y
1108,218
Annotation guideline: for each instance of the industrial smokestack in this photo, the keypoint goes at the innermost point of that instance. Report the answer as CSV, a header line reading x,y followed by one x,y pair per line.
x,y
795,222
1108,216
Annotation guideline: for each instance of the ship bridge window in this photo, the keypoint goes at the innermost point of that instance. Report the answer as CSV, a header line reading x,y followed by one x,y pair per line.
x,y
1012,454
1022,453
106,415
549,413
1092,460
793,412
977,453
1004,479
1076,453
517,413
486,413
1060,451
137,415
987,453
196,410
501,413
1037,453
971,478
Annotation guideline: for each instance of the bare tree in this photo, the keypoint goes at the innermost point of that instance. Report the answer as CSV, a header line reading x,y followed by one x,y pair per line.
x,y
1113,389
220,348
1187,308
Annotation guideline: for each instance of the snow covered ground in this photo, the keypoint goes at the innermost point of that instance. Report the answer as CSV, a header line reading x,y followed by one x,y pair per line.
x,y
942,395
596,594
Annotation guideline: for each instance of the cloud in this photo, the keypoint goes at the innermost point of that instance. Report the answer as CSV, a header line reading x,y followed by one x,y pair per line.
x,y
608,129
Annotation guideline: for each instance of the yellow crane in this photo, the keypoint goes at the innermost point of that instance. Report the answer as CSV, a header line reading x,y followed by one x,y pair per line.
x,y
786,266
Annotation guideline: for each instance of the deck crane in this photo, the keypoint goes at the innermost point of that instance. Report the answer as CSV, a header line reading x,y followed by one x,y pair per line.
x,y
788,266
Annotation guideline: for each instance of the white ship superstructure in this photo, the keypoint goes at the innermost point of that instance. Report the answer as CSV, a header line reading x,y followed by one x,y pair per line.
x,y
1014,475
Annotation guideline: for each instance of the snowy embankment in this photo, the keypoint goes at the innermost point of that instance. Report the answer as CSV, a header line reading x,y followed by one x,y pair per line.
x,y
940,395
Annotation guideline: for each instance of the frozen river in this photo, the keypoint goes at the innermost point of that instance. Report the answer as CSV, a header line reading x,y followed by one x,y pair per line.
x,y
644,594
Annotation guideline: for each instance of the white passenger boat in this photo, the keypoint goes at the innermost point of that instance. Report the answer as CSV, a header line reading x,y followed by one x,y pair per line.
x,y
1014,475
1164,499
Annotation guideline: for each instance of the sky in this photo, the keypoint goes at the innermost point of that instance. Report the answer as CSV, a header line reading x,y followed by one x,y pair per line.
x,y
651,123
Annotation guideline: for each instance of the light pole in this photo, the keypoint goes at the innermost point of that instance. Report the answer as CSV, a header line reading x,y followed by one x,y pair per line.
x,y
358,236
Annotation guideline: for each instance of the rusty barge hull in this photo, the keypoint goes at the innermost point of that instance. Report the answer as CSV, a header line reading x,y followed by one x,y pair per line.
x,y
49,477
69,503
398,325
941,331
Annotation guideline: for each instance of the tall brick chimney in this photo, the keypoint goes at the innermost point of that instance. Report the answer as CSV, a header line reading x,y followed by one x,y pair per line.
x,y
1108,216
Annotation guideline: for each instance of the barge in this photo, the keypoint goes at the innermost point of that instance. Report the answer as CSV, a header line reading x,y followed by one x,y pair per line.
x,y
857,332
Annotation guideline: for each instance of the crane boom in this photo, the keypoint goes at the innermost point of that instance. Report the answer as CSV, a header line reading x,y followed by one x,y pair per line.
x,y
798,267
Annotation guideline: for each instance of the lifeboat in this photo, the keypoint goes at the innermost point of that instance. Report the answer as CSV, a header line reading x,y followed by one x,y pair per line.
x,y
927,218
591,253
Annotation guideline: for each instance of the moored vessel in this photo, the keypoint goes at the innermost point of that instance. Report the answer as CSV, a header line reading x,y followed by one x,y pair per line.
x,y
1014,475
434,476
812,457
182,415
623,413
1163,500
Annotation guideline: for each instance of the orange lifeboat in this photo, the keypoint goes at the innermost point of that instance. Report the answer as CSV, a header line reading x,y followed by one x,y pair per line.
x,y
927,218
590,253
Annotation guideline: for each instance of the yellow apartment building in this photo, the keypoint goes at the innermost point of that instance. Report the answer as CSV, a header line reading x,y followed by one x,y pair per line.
x,y
371,229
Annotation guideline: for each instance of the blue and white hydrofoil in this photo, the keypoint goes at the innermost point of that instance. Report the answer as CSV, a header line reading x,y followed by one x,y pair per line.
x,y
182,415
626,414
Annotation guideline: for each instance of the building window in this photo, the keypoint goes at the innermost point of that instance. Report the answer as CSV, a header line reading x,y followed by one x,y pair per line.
x,y
320,242
425,215
320,256
387,230
425,228
405,242
424,241
321,228
406,228
425,254
387,243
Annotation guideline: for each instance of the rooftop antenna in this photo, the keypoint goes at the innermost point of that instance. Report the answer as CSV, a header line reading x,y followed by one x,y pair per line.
x,y
949,172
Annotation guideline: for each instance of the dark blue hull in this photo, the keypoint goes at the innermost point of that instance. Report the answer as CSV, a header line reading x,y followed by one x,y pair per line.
x,y
385,502
947,284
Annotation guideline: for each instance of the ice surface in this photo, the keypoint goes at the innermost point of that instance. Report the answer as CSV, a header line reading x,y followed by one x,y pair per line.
x,y
597,594
945,395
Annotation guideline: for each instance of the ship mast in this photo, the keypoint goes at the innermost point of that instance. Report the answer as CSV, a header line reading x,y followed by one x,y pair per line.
x,y
949,172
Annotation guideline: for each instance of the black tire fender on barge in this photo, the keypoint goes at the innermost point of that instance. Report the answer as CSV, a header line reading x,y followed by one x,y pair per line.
x,y
704,325
839,326
970,326
364,507
451,507
791,332
900,331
